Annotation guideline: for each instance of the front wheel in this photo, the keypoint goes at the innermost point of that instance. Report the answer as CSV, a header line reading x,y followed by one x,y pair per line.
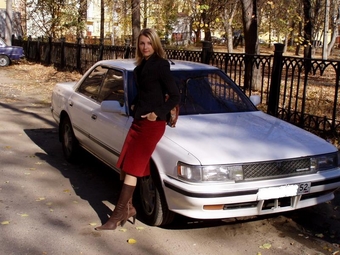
x,y
4,60
153,205
68,140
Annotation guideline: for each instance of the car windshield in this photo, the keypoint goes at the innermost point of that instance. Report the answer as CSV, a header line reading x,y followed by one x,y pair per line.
x,y
210,91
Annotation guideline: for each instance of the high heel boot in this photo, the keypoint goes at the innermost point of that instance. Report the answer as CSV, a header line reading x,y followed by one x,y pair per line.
x,y
121,212
131,210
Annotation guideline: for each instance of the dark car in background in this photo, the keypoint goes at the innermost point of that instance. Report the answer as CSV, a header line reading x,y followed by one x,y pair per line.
x,y
9,53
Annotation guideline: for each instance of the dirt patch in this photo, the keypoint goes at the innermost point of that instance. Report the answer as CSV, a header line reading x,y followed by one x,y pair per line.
x,y
33,82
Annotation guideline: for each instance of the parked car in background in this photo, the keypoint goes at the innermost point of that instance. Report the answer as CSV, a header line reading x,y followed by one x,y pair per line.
x,y
9,53
224,158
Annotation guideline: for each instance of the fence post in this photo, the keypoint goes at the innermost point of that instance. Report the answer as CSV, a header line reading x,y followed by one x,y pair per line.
x,y
28,50
78,55
127,48
207,50
37,53
101,49
274,93
49,51
62,53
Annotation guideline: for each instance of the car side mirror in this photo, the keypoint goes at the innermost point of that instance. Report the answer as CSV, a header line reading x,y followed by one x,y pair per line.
x,y
255,99
112,106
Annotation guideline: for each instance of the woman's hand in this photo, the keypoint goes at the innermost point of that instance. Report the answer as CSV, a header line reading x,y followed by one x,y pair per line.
x,y
151,116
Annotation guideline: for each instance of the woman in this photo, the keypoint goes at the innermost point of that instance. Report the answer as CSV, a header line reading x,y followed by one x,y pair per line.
x,y
154,80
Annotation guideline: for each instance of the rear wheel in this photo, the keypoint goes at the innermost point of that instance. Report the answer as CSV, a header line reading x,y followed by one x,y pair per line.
x,y
153,205
69,142
4,60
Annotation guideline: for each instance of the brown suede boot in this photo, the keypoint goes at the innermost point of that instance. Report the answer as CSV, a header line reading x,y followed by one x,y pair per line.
x,y
121,212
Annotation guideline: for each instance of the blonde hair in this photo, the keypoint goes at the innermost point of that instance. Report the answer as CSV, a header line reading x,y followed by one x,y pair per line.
x,y
155,42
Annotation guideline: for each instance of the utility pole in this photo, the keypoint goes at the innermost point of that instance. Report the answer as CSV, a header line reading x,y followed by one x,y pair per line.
x,y
9,22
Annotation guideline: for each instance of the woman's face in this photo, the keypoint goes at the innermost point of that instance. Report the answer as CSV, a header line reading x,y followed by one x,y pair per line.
x,y
145,46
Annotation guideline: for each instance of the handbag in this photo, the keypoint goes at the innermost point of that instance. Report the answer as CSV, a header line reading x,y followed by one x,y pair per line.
x,y
172,116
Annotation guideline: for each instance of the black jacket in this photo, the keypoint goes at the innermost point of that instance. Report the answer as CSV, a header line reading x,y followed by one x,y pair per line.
x,y
154,80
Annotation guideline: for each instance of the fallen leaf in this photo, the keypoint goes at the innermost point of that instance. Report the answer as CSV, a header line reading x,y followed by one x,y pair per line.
x,y
23,215
336,253
66,191
27,173
131,241
75,202
266,246
139,228
49,203
319,235
259,253
122,229
40,199
93,224
6,222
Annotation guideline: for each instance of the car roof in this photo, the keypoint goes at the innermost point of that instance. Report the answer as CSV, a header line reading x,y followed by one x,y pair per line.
x,y
175,65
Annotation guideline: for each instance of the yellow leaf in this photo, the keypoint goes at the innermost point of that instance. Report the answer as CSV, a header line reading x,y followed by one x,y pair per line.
x,y
40,199
6,222
93,224
49,203
66,191
24,215
122,229
266,246
131,241
319,235
139,228
259,253
75,202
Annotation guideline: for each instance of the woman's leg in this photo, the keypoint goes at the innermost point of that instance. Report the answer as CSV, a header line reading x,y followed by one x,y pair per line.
x,y
122,212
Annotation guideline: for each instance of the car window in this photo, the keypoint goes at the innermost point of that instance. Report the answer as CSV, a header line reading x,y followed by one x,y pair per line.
x,y
92,83
204,92
112,87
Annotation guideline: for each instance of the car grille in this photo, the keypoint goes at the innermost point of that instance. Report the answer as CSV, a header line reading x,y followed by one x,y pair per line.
x,y
277,168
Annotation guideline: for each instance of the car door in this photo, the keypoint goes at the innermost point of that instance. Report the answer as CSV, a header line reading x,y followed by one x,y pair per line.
x,y
82,103
108,130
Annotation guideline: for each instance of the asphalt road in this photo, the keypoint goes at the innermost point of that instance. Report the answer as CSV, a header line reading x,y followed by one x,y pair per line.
x,y
48,206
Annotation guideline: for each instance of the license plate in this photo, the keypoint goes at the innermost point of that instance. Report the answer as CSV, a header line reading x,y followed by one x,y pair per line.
x,y
303,188
283,191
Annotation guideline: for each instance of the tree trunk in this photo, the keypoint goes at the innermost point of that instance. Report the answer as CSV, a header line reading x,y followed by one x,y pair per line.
x,y
307,28
102,20
9,22
82,17
249,13
135,20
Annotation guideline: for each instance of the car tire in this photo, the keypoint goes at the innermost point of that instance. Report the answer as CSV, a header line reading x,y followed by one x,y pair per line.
x,y
69,141
4,60
153,206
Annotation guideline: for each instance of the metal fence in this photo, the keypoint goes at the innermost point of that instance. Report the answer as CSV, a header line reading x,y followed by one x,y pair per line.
x,y
301,91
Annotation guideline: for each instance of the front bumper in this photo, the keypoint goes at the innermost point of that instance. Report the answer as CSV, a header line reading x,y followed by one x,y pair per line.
x,y
220,201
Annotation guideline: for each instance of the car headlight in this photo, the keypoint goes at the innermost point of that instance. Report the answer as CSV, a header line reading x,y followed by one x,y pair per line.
x,y
324,162
215,173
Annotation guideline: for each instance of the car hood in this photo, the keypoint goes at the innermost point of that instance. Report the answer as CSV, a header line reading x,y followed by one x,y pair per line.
x,y
243,137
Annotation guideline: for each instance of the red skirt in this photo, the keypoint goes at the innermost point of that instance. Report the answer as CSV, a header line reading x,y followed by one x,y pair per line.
x,y
139,145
